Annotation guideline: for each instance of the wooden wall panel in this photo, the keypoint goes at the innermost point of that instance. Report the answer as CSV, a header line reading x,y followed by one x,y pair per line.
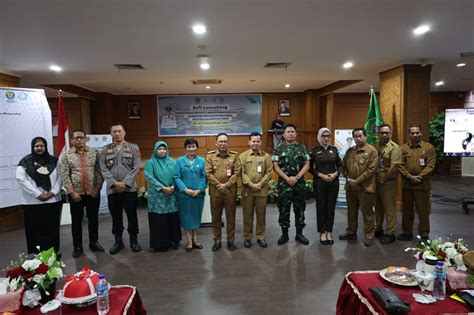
x,y
440,101
7,80
391,89
350,110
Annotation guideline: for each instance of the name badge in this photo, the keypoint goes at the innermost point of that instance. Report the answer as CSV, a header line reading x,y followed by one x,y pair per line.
x,y
362,160
381,162
229,172
422,162
259,167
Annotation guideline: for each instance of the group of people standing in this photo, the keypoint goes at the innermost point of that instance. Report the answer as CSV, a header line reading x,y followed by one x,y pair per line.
x,y
176,189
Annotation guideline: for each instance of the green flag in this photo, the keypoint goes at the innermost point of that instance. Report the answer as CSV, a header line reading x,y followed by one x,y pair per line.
x,y
374,119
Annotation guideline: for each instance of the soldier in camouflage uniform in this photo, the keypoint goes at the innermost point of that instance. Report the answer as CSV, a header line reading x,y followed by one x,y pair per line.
x,y
291,162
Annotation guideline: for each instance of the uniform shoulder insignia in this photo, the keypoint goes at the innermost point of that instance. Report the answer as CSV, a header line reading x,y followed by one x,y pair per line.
x,y
212,152
314,147
234,152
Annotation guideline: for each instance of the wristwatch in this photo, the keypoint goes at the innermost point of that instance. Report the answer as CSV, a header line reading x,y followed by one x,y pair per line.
x,y
298,176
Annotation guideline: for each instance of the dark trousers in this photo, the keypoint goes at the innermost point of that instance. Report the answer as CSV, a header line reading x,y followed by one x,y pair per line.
x,y
129,201
326,196
42,226
421,200
77,213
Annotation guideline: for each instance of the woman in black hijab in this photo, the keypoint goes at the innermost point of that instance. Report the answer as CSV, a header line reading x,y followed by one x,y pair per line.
x,y
39,177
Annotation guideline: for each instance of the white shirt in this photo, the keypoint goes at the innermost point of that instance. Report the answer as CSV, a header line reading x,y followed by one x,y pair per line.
x,y
30,191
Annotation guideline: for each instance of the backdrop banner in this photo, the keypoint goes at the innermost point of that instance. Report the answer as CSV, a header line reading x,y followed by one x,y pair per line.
x,y
24,114
205,115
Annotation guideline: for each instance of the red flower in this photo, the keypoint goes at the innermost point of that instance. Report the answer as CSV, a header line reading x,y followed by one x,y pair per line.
x,y
420,256
42,269
27,276
441,254
15,272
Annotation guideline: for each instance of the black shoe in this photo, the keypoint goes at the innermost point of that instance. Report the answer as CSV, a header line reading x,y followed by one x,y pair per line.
x,y
189,249
387,239
78,252
330,242
378,234
96,247
116,247
347,237
247,243
368,242
231,246
324,242
197,246
134,246
283,239
405,237
300,238
262,243
216,246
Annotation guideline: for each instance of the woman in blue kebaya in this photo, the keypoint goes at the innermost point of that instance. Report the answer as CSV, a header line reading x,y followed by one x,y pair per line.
x,y
163,215
190,178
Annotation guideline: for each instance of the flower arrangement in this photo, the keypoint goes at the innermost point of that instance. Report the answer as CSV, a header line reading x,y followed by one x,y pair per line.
x,y
40,272
448,252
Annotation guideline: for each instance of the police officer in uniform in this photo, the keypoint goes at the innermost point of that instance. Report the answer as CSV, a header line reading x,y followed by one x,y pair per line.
x,y
360,164
120,164
256,171
418,162
291,162
389,157
325,166
222,171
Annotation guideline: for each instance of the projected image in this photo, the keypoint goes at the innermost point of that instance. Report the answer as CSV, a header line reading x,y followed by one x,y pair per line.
x,y
458,132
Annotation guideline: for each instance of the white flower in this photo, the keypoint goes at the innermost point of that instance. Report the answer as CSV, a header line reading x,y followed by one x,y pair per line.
x,y
59,272
450,252
31,264
447,245
38,278
13,285
458,260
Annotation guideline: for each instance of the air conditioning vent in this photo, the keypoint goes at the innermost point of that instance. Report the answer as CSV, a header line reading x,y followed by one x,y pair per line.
x,y
206,81
280,65
129,66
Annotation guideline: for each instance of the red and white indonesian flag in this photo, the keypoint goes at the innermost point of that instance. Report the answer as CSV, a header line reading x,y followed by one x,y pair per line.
x,y
62,144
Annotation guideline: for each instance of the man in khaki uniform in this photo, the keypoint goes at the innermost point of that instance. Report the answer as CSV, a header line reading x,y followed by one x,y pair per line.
x,y
222,171
360,163
256,171
389,157
418,162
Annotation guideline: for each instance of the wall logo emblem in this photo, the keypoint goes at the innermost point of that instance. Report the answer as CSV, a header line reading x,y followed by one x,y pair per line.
x,y
22,96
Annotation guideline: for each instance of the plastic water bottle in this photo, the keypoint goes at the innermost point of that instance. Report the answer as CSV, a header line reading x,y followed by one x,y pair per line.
x,y
102,295
439,284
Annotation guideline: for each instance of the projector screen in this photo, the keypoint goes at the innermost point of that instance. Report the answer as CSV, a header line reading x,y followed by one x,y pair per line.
x,y
459,132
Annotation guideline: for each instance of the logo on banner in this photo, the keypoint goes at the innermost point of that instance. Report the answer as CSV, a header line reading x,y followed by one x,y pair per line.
x,y
10,95
22,96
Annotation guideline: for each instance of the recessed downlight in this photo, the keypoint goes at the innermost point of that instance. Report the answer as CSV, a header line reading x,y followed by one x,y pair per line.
x,y
55,68
348,65
204,66
422,29
287,85
199,29
439,83
208,86
461,64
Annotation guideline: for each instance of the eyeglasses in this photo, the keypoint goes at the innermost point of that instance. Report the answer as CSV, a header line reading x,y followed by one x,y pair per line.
x,y
326,136
78,138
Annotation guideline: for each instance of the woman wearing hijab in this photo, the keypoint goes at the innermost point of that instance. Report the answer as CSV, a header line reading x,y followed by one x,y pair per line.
x,y
163,215
325,165
190,177
39,178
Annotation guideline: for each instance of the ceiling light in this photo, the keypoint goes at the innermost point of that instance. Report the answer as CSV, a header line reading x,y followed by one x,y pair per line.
x,y
287,85
204,66
420,30
348,65
199,29
439,83
459,65
208,86
55,68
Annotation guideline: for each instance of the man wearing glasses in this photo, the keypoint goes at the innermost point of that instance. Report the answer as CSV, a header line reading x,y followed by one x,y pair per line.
x,y
82,179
